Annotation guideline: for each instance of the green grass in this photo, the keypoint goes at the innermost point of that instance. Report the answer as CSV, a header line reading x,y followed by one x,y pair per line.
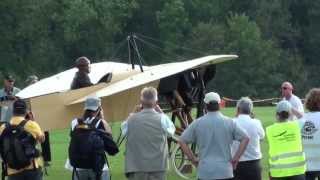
x,y
60,140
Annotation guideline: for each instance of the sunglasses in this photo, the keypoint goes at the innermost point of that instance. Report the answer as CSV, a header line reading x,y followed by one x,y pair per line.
x,y
284,88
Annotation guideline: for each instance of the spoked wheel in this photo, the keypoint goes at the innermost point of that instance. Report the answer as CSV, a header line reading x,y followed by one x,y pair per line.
x,y
181,164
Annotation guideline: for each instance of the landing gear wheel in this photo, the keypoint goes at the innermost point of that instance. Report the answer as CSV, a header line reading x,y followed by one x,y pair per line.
x,y
181,164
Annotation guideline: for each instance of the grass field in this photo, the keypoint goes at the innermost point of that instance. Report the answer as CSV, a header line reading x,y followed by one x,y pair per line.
x,y
60,140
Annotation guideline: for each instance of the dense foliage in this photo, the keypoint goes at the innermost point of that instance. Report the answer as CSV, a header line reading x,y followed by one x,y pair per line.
x,y
275,40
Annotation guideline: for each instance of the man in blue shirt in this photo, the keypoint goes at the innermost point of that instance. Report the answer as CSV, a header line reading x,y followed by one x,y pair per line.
x,y
214,134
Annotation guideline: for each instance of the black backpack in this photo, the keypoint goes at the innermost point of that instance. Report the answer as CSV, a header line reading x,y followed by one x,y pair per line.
x,y
86,148
18,147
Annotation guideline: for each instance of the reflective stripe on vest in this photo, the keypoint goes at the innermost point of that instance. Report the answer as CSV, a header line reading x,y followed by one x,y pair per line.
x,y
286,156
285,166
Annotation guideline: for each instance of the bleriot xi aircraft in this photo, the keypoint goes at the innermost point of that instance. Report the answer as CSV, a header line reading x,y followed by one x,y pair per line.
x,y
117,84
181,86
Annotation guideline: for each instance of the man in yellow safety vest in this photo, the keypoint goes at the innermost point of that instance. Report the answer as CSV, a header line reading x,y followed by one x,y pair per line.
x,y
286,156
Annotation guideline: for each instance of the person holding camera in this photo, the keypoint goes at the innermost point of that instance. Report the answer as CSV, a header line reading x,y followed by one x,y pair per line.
x,y
7,97
147,129
91,137
18,139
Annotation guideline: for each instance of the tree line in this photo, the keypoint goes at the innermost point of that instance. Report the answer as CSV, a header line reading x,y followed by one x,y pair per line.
x,y
275,40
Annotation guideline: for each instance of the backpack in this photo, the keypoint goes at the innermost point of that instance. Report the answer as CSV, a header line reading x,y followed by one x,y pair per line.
x,y
18,147
86,148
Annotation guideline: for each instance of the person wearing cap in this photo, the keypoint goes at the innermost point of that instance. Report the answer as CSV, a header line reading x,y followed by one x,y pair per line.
x,y
32,171
147,129
295,101
286,156
213,135
249,166
311,134
31,80
7,97
93,115
81,78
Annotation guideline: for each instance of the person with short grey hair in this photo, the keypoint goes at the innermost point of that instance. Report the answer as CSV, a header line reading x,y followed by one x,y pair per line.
x,y
147,129
149,96
249,166
245,105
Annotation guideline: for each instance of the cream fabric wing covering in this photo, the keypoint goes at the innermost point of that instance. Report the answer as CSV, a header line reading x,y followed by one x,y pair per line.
x,y
55,109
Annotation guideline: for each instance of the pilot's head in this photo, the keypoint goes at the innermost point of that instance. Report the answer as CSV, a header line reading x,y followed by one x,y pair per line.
x,y
212,101
149,97
83,64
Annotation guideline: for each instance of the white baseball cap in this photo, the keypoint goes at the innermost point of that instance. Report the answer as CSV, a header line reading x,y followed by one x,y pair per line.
x,y
212,96
92,103
283,105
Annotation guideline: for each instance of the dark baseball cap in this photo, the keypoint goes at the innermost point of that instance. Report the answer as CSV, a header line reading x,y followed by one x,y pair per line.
x,y
9,77
20,104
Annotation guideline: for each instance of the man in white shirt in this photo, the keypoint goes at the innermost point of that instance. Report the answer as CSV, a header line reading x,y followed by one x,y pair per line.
x,y
286,92
249,164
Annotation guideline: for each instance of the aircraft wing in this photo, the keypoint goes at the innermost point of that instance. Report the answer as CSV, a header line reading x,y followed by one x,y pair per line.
x,y
62,81
155,73
54,108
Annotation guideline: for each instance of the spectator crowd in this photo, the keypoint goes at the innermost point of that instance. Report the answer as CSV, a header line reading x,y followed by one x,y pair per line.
x,y
227,148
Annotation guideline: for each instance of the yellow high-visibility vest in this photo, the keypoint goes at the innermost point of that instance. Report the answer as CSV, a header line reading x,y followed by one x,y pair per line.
x,y
286,156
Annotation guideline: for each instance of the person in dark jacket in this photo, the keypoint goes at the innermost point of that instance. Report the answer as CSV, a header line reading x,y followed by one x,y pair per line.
x,y
93,116
81,78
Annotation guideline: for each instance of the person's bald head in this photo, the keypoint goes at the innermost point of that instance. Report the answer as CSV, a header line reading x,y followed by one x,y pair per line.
x,y
83,64
286,89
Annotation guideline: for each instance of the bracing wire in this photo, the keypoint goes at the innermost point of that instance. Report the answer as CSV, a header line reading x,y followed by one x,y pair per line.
x,y
118,47
174,45
160,50
151,43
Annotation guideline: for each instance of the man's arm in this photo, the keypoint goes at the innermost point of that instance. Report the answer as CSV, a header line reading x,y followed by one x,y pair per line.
x,y
167,125
189,136
296,112
240,135
36,131
185,148
242,147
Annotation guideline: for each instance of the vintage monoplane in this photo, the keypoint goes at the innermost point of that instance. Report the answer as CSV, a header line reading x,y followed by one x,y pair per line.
x,y
55,105
181,85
